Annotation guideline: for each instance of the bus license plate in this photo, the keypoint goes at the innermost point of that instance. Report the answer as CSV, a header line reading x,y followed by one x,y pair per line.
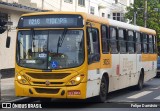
x,y
74,92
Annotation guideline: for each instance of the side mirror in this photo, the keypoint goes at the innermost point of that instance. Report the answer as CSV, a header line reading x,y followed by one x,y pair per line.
x,y
8,41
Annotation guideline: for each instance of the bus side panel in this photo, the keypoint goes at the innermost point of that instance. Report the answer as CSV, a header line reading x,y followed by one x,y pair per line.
x,y
93,83
94,79
127,69
149,63
114,73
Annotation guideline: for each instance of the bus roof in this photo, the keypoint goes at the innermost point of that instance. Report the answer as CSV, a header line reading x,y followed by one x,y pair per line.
x,y
101,20
131,27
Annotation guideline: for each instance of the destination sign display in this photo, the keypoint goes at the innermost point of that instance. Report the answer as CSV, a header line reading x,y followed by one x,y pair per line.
x,y
51,21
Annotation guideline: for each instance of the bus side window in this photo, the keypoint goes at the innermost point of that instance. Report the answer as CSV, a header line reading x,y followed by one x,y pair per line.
x,y
93,45
113,41
122,41
150,44
105,41
154,44
131,49
145,43
138,43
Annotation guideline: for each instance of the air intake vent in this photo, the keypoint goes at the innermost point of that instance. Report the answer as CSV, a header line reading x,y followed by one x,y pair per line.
x,y
47,91
48,75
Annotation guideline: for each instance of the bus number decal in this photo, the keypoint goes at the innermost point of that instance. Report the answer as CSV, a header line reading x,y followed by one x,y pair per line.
x,y
106,62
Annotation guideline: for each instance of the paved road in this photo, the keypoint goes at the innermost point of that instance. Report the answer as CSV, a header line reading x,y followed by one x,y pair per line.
x,y
129,97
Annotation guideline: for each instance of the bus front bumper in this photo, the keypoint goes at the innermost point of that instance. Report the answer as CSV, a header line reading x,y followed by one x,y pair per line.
x,y
75,92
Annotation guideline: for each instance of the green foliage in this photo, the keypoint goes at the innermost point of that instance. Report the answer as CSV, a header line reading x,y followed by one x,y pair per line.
x,y
153,16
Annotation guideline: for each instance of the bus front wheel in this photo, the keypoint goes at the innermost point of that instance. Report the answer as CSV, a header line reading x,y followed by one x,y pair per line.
x,y
103,90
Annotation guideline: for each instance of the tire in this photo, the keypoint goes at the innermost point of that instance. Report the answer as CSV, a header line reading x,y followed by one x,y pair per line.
x,y
103,91
139,86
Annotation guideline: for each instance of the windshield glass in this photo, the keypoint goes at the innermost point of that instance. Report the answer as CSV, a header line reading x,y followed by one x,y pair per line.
x,y
53,49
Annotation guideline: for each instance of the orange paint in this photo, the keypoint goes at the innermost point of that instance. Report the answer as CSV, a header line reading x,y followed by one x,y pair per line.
x,y
149,57
148,31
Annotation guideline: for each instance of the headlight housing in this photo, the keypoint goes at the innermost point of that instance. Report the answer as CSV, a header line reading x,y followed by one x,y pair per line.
x,y
76,80
21,79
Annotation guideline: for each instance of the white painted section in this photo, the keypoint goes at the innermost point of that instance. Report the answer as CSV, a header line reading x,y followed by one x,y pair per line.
x,y
139,95
155,87
7,84
93,88
93,83
139,63
92,75
158,98
113,77
124,25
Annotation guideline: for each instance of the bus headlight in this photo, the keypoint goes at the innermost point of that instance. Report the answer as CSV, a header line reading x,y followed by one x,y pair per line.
x,y
22,80
76,80
19,77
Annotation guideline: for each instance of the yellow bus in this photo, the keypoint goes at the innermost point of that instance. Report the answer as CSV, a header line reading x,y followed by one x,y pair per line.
x,y
78,55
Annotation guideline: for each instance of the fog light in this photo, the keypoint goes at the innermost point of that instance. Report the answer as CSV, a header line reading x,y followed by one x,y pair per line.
x,y
23,81
19,77
78,78
73,82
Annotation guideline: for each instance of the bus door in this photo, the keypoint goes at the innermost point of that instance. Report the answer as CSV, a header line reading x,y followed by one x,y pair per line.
x,y
93,52
93,48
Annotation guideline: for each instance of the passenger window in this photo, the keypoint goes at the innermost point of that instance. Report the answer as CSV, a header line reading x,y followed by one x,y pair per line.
x,y
145,47
154,43
151,44
105,40
138,43
113,40
122,41
131,49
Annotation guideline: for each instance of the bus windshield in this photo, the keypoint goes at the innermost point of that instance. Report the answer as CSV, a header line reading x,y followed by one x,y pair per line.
x,y
52,49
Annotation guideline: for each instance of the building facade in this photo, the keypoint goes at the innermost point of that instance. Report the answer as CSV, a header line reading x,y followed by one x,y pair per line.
x,y
113,9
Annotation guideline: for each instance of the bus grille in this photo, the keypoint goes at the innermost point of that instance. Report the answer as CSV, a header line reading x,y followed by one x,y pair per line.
x,y
48,75
51,83
47,91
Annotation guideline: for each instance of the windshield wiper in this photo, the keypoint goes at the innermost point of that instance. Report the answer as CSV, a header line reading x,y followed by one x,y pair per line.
x,y
61,39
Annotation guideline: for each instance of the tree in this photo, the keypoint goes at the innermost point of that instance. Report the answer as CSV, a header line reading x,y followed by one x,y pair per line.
x,y
153,15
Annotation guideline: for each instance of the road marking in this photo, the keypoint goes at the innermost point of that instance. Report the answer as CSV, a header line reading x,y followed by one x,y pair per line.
x,y
155,87
139,94
18,99
158,97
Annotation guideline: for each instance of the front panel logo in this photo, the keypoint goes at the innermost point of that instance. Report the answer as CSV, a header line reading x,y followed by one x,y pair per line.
x,y
47,83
